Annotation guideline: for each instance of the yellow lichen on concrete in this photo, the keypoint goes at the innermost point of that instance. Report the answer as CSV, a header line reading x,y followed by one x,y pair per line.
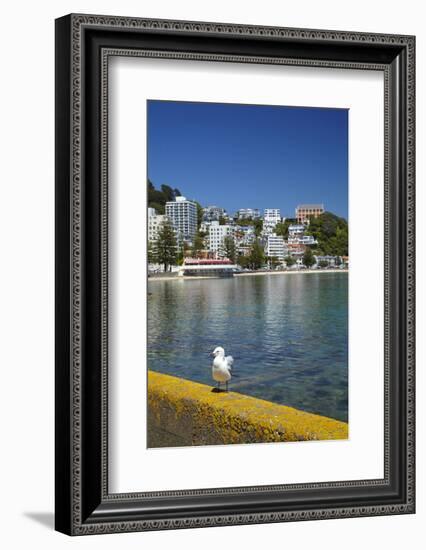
x,y
197,415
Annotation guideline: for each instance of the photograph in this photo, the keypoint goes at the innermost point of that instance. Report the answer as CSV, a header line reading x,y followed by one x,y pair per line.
x,y
234,273
248,268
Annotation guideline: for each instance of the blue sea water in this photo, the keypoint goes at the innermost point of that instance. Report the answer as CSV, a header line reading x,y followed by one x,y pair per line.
x,y
288,334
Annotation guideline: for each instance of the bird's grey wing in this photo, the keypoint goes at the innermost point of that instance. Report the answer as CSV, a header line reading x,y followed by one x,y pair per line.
x,y
229,361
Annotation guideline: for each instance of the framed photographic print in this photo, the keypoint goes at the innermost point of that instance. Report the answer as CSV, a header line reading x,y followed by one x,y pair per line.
x,y
234,274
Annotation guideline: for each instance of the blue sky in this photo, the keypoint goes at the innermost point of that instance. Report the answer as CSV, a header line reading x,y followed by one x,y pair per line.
x,y
250,156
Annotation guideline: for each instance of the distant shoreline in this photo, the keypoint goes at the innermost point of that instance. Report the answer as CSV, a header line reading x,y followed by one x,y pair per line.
x,y
294,272
249,274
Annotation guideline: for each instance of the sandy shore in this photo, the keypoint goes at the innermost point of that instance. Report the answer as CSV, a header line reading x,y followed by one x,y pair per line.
x,y
252,274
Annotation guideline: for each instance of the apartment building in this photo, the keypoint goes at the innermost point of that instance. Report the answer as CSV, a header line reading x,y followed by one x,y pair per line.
x,y
155,223
271,216
248,213
183,215
276,247
216,235
306,211
213,213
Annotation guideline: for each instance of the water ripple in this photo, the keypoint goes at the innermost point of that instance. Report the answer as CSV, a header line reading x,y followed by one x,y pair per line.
x,y
288,335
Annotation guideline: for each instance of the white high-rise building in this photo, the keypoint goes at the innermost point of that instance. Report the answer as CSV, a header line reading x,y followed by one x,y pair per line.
x,y
217,234
271,217
155,222
276,247
183,215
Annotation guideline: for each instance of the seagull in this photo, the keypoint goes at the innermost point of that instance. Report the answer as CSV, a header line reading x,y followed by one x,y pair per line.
x,y
221,368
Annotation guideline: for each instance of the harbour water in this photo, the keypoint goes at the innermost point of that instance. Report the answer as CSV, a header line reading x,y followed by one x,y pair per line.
x,y
288,335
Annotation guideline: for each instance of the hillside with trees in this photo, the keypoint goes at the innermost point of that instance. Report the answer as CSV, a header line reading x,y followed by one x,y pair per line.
x,y
282,228
256,258
157,198
331,232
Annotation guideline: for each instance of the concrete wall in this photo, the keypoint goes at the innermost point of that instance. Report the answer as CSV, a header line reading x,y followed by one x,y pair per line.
x,y
181,413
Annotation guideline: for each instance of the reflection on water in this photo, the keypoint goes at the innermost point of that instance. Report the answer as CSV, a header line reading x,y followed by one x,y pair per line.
x,y
288,335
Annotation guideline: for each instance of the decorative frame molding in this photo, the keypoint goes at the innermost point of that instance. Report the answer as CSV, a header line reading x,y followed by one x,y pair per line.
x,y
84,43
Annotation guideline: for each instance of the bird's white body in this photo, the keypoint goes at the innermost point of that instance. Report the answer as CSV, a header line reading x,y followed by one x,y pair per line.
x,y
222,366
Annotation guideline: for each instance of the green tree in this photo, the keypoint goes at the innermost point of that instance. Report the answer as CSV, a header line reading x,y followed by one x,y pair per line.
x,y
282,228
289,260
256,256
152,256
256,223
258,226
168,193
222,220
228,248
180,254
199,214
166,249
331,232
273,262
157,198
244,222
323,263
243,261
308,258
159,208
197,244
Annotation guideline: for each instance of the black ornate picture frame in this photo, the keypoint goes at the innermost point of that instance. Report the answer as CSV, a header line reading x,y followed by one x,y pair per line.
x,y
84,43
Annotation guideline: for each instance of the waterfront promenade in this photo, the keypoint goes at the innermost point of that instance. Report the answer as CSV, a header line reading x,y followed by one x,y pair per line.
x,y
164,277
186,413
